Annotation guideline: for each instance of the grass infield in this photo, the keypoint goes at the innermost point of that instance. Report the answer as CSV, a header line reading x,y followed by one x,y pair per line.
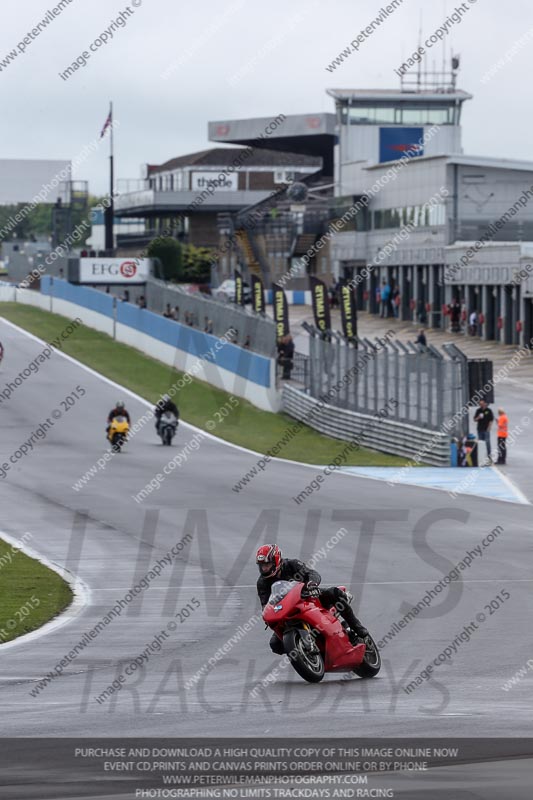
x,y
246,425
30,593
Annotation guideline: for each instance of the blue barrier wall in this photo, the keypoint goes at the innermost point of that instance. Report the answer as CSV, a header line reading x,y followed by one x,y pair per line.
x,y
235,359
80,295
253,367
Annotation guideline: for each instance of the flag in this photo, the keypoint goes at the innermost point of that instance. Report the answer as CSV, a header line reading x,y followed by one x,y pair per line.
x,y
348,311
107,123
239,296
258,295
281,311
319,296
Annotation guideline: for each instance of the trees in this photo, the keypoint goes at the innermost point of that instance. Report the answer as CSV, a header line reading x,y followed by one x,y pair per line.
x,y
197,263
170,255
181,263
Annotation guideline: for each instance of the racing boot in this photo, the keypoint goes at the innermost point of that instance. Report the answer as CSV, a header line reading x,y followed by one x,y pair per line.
x,y
357,630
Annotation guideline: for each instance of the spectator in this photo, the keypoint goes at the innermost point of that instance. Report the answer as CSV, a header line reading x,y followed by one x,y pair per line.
x,y
141,301
61,274
234,336
422,341
421,311
177,313
208,327
247,342
503,432
168,312
455,315
286,356
396,301
385,299
189,318
484,418
472,323
334,292
126,296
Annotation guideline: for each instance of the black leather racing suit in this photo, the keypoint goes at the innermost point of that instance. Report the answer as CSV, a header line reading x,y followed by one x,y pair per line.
x,y
294,570
160,409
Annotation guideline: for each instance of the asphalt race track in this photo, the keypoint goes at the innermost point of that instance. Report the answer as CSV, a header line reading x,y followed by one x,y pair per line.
x,y
397,544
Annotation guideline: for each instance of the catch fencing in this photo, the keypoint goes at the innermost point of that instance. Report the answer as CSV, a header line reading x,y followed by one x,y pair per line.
x,y
258,333
429,385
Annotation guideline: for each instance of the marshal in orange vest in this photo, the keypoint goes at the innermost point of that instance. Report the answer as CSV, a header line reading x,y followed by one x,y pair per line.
x,y
503,424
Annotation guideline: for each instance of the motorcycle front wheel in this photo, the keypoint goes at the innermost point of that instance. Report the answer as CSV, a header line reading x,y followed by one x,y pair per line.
x,y
167,436
371,663
308,664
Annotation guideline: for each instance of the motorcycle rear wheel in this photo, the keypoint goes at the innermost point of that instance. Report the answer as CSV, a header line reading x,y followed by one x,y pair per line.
x,y
118,441
371,663
309,666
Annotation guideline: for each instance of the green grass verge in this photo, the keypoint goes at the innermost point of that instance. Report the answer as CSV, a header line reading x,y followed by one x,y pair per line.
x,y
30,593
198,401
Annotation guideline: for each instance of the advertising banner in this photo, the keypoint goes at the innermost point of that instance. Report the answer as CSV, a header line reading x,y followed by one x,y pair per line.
x,y
114,270
397,143
348,311
214,182
281,311
258,295
239,297
320,300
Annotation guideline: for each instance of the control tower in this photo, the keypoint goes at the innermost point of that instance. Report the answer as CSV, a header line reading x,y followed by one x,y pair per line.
x,y
380,125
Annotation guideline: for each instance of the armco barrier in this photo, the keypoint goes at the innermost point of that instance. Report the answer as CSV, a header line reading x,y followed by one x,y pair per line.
x,y
387,436
209,358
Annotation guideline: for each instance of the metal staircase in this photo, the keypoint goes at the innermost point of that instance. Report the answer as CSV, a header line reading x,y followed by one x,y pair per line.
x,y
248,251
303,243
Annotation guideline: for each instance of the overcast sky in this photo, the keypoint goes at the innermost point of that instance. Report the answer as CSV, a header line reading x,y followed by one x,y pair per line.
x,y
276,52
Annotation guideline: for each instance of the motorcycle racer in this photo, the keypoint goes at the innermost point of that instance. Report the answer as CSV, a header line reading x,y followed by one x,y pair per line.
x,y
165,404
119,410
273,567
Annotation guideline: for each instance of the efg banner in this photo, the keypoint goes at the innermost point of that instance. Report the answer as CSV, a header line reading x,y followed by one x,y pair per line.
x,y
281,311
239,295
348,311
258,295
319,295
114,270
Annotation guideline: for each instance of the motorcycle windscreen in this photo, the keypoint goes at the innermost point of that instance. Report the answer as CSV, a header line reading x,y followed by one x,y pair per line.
x,y
279,590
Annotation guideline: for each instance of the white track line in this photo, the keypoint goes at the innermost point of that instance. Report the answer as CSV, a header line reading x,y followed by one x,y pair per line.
x,y
81,599
512,486
355,583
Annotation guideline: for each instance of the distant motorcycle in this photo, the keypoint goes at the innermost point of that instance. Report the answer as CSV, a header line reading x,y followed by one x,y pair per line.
x,y
118,432
168,425
315,638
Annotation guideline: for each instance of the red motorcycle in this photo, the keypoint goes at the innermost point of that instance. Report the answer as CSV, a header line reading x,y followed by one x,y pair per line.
x,y
315,638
